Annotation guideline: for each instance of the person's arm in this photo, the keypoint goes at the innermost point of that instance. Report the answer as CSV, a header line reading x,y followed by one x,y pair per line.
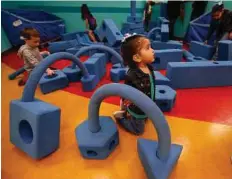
x,y
210,31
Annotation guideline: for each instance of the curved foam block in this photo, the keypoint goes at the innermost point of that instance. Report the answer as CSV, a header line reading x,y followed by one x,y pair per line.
x,y
89,83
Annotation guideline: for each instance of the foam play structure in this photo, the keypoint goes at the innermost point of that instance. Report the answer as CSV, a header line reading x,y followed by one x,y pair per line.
x,y
199,74
224,50
34,124
191,58
202,50
72,71
97,137
163,57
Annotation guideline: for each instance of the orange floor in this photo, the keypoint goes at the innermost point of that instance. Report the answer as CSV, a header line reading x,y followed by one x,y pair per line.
x,y
206,153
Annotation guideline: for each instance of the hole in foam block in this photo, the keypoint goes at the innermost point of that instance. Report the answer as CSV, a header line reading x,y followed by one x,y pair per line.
x,y
104,26
197,58
25,131
117,33
215,62
91,153
112,144
162,91
51,76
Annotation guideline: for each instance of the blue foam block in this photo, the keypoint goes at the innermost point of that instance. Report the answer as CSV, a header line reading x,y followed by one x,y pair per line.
x,y
94,66
199,74
165,97
112,33
71,36
134,19
162,20
61,46
158,45
202,50
34,127
97,145
164,32
153,166
161,79
187,54
195,59
138,31
117,74
73,50
89,83
163,57
100,33
73,74
225,50
52,83
102,59
129,25
16,73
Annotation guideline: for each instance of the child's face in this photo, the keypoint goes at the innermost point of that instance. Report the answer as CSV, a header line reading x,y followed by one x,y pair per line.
x,y
146,53
33,41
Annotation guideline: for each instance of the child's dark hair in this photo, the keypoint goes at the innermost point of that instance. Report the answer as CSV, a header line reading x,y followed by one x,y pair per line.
x,y
27,33
85,10
217,8
130,47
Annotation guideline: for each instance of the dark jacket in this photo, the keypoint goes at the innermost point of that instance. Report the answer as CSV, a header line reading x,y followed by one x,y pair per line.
x,y
141,81
222,26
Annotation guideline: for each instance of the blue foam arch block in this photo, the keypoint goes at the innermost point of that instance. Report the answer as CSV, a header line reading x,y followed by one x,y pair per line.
x,y
155,168
49,84
163,57
164,32
202,50
199,74
73,74
165,97
158,45
34,127
225,50
161,79
97,145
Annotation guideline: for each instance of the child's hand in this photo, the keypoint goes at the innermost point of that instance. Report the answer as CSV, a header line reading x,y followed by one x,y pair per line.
x,y
230,36
50,72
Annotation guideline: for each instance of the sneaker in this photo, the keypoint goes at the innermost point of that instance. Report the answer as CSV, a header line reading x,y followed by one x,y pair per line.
x,y
119,114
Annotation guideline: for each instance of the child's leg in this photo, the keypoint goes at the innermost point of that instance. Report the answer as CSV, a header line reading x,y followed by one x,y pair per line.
x,y
132,125
23,81
92,36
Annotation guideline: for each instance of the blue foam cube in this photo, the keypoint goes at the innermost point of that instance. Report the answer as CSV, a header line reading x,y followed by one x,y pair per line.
x,y
153,166
224,50
199,74
73,74
102,59
94,66
117,74
202,50
161,79
165,97
163,57
34,127
164,32
52,83
89,83
97,145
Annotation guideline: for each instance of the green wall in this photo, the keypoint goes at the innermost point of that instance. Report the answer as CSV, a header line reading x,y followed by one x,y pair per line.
x,y
116,10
